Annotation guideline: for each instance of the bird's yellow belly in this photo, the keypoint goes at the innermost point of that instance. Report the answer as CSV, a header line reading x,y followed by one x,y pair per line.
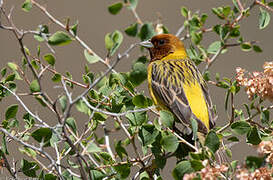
x,y
197,102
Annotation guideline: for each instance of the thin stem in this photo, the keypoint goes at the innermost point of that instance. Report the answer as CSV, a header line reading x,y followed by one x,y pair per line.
x,y
263,5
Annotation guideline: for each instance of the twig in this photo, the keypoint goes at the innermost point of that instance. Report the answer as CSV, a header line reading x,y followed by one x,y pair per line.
x,y
212,59
2,154
183,140
107,141
132,140
263,5
26,108
180,31
115,114
240,5
232,114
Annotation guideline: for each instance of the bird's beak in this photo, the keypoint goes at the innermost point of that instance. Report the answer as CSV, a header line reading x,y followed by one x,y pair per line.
x,y
146,44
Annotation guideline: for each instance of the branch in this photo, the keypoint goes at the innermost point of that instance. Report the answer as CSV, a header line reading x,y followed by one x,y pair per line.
x,y
263,5
232,114
183,140
212,59
107,141
26,108
115,114
41,151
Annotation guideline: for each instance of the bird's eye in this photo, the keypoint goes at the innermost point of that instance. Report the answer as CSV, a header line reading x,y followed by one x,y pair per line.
x,y
161,42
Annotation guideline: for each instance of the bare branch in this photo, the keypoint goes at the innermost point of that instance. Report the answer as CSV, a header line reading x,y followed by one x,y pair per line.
x,y
26,108
115,114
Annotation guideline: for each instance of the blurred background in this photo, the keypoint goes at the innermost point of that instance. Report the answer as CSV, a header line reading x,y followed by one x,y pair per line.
x,y
95,21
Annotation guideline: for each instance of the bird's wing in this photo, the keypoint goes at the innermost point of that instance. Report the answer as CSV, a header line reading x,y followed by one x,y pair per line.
x,y
169,91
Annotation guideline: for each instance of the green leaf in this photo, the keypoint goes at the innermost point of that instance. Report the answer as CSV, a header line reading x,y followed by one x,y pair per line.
x,y
123,170
253,136
169,143
50,59
206,75
29,168
82,107
99,116
148,134
132,3
204,18
138,74
28,151
137,118
121,151
184,11
196,165
264,18
246,46
241,127
74,28
132,30
233,139
3,72
59,38
11,111
214,47
90,58
108,42
29,120
72,124
166,118
265,117
42,135
181,169
194,126
139,101
146,31
63,102
212,141
12,66
4,145
115,8
10,78
92,148
226,11
219,12
196,37
257,49
56,78
113,41
27,6
254,162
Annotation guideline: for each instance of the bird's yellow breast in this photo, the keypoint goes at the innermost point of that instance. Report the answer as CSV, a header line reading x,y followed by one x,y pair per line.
x,y
197,102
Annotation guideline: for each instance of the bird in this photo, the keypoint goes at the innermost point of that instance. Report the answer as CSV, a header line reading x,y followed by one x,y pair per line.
x,y
175,84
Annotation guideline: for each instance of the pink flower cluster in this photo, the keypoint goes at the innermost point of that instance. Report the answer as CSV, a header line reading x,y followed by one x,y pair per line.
x,y
260,83
242,173
208,173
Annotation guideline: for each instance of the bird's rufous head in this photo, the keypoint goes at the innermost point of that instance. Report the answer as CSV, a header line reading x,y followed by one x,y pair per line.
x,y
163,45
